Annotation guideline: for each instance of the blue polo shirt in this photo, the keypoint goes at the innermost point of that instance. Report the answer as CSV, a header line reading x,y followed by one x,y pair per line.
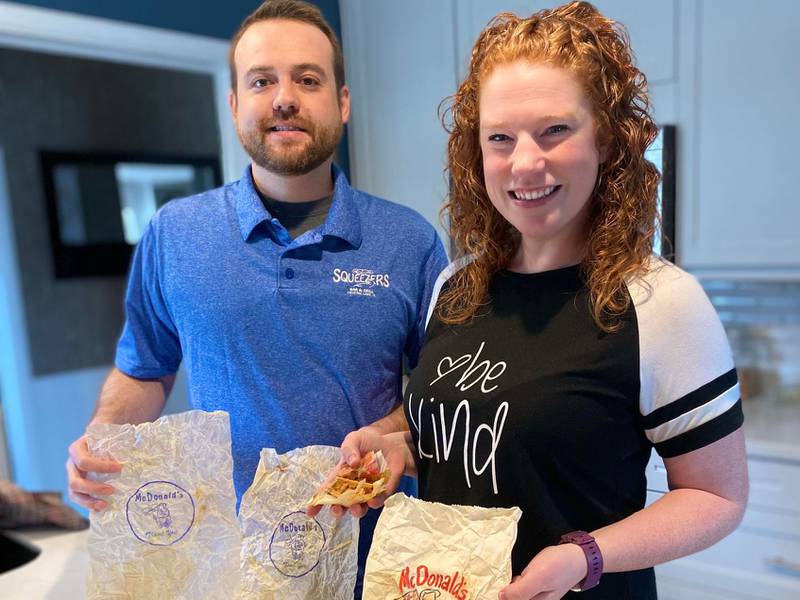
x,y
300,341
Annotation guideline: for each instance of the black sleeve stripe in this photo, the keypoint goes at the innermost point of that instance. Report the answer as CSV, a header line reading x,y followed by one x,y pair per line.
x,y
705,434
690,401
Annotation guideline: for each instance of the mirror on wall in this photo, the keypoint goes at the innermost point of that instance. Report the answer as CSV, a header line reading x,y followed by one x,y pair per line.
x,y
98,205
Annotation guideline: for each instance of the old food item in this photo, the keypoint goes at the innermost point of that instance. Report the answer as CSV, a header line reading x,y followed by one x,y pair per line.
x,y
350,485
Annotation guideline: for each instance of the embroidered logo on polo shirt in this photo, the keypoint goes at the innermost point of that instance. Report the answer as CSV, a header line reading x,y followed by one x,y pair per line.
x,y
361,282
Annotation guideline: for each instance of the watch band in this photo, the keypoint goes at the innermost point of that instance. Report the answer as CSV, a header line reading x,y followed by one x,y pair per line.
x,y
594,559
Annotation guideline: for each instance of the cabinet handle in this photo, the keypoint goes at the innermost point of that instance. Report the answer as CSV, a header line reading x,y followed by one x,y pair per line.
x,y
781,564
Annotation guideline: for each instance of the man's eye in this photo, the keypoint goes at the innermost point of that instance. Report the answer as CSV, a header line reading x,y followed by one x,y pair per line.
x,y
261,82
499,137
309,81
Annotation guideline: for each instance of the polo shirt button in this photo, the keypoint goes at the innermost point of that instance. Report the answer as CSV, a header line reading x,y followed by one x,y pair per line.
x,y
290,273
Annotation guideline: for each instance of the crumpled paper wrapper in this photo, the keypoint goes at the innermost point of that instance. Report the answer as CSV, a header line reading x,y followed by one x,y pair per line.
x,y
285,554
431,551
170,530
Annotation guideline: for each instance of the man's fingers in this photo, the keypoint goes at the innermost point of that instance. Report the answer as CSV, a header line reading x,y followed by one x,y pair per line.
x,y
78,483
358,443
86,462
87,501
351,455
394,482
89,464
313,511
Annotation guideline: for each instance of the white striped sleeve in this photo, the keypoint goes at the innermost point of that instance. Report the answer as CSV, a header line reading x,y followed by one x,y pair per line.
x,y
448,272
689,393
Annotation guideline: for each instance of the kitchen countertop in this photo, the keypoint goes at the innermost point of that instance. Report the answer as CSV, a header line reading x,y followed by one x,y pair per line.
x,y
58,573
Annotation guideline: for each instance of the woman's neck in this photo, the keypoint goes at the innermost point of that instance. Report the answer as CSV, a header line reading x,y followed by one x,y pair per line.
x,y
537,256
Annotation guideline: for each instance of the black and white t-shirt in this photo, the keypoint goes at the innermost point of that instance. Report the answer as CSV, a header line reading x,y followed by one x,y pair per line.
x,y
532,405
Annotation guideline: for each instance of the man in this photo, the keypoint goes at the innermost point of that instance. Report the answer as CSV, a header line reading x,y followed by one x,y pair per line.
x,y
291,298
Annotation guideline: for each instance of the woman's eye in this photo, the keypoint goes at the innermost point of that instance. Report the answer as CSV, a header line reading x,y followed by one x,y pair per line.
x,y
555,129
498,137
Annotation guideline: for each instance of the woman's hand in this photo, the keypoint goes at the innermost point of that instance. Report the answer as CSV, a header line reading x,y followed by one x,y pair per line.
x,y
549,576
396,449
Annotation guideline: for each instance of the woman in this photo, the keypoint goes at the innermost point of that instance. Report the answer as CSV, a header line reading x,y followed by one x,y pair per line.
x,y
560,351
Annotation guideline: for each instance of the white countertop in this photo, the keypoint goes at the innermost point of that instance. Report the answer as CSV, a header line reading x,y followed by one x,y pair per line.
x,y
58,573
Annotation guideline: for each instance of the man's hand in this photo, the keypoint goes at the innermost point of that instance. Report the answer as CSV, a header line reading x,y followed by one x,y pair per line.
x,y
397,452
82,490
549,576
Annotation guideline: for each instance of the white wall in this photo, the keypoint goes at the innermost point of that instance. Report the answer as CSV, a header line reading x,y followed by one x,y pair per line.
x,y
401,63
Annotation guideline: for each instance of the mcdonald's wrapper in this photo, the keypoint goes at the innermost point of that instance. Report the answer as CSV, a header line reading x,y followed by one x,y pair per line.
x,y
287,555
170,530
431,551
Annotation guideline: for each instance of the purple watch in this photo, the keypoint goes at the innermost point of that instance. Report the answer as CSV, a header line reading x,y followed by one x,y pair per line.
x,y
594,560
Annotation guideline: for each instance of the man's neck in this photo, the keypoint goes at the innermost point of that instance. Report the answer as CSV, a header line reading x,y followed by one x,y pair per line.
x,y
295,188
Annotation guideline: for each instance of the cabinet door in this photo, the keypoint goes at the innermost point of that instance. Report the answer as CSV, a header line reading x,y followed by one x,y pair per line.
x,y
650,24
741,126
758,561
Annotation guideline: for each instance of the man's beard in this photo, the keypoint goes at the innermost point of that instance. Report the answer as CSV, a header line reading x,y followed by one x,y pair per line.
x,y
291,158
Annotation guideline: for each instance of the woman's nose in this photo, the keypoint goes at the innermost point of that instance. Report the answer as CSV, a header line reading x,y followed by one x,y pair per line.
x,y
527,157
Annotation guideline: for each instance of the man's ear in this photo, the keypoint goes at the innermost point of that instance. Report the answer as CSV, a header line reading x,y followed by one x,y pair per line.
x,y
232,103
344,103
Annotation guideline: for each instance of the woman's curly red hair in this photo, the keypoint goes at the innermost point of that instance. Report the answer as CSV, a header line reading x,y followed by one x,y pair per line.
x,y
623,208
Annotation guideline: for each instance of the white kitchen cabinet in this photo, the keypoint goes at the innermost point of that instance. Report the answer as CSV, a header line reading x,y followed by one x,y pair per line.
x,y
738,130
728,77
758,561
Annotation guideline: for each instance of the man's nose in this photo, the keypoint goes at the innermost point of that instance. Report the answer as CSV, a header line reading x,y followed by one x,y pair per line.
x,y
527,157
285,101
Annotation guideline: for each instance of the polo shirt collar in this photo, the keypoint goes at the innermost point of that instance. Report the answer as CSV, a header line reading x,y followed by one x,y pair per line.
x,y
343,220
249,207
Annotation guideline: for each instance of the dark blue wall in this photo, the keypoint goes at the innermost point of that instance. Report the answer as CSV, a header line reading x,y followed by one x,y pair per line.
x,y
214,18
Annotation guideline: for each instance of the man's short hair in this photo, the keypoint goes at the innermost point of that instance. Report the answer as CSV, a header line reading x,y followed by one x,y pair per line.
x,y
294,10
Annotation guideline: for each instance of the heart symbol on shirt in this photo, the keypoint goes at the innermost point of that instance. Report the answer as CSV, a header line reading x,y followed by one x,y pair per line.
x,y
450,366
